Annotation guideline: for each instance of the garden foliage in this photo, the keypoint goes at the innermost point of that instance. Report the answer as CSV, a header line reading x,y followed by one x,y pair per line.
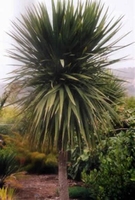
x,y
8,165
116,174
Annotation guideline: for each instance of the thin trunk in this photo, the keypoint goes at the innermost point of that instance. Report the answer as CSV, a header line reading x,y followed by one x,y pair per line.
x,y
63,181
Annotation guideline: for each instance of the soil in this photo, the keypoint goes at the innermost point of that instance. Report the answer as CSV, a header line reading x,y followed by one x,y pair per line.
x,y
40,187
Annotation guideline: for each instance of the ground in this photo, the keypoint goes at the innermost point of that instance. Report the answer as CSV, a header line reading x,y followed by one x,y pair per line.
x,y
40,187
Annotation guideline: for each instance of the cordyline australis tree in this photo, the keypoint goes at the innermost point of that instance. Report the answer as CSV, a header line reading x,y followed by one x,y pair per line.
x,y
63,60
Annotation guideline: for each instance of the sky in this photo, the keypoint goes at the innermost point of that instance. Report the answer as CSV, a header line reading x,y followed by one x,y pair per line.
x,y
117,8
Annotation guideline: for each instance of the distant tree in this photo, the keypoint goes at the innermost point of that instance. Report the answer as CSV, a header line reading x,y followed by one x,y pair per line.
x,y
64,60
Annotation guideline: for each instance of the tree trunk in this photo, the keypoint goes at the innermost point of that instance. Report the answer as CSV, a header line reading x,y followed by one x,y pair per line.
x,y
63,181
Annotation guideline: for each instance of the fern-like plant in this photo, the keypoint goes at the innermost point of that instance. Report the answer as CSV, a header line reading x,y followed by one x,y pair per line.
x,y
8,165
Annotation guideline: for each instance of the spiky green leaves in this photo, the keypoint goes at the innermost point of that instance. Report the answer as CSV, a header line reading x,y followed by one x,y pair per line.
x,y
63,60
72,35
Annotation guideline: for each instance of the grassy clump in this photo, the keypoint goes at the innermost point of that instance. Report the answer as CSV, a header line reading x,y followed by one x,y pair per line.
x,y
79,192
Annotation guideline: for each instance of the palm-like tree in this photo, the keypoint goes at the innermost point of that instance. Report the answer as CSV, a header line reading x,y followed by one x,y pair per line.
x,y
63,64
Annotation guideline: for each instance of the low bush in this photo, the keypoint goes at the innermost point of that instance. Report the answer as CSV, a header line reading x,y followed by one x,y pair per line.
x,y
51,163
129,103
79,193
114,180
30,161
35,162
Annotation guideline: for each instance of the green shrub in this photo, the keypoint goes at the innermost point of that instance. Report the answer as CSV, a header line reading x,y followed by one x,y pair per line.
x,y
114,180
130,103
33,162
41,163
51,160
51,164
37,157
79,192
36,162
86,160
16,143
126,112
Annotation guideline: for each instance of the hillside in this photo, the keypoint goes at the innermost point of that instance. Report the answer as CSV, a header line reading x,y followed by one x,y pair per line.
x,y
127,74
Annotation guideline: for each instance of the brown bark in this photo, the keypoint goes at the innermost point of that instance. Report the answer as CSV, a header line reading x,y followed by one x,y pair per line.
x,y
63,181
